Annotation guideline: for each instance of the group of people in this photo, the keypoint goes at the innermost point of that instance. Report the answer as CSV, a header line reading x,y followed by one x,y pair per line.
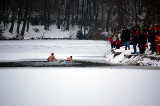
x,y
52,58
139,37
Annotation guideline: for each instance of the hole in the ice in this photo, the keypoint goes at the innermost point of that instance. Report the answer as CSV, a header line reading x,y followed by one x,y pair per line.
x,y
60,63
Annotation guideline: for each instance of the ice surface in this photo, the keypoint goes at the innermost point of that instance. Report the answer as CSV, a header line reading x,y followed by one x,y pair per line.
x,y
41,49
101,86
73,86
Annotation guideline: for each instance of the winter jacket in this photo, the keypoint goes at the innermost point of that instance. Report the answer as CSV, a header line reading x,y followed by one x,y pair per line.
x,y
157,39
157,42
110,39
135,37
142,38
125,35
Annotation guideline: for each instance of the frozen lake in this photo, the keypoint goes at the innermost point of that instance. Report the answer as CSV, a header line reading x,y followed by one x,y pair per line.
x,y
73,86
14,50
90,86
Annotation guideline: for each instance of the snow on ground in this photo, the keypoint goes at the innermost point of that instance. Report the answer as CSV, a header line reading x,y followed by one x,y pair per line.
x,y
40,49
96,86
125,57
111,58
38,32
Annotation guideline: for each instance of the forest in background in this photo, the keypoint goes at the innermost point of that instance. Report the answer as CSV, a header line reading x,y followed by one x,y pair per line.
x,y
107,15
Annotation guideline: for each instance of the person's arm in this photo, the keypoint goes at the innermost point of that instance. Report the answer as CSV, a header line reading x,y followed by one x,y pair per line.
x,y
48,59
54,58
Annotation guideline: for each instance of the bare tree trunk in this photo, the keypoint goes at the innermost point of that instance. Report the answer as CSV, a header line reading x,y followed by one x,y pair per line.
x,y
4,12
58,15
28,21
25,17
108,19
67,15
12,22
77,11
102,16
46,14
58,19
29,15
19,19
136,11
24,22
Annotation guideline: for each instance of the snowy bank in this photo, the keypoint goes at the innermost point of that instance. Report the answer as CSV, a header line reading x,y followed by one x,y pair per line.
x,y
124,57
38,32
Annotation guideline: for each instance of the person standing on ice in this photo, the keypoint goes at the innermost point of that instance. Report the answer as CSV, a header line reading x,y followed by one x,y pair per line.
x,y
118,43
142,41
125,37
110,39
157,39
135,38
151,38
51,58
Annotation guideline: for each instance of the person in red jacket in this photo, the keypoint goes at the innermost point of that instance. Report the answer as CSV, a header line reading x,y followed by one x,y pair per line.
x,y
157,42
135,38
118,43
110,39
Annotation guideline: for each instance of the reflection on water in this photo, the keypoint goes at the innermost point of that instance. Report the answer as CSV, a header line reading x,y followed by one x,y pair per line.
x,y
103,86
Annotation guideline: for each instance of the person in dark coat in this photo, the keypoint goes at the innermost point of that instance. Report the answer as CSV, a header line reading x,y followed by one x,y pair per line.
x,y
142,42
157,42
151,39
135,38
80,35
125,38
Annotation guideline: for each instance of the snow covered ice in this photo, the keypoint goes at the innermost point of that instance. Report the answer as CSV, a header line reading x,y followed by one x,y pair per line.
x,y
32,30
41,49
73,86
105,86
